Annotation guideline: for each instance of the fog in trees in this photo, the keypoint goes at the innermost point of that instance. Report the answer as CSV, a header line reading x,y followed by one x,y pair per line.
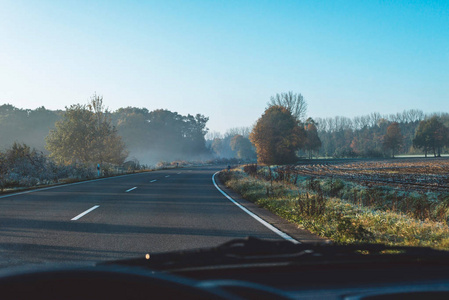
x,y
234,143
149,136
162,135
26,126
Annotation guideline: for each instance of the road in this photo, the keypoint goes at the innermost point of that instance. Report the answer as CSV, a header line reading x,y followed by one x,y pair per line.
x,y
121,217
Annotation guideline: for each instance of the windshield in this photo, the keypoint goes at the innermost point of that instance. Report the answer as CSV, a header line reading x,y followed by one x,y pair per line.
x,y
130,128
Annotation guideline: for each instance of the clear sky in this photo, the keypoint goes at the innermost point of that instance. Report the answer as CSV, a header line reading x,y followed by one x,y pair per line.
x,y
225,59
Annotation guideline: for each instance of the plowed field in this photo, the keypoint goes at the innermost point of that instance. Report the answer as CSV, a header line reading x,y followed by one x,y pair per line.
x,y
431,174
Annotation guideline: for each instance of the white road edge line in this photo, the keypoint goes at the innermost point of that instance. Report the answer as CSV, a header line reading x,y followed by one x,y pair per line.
x,y
131,189
259,219
85,213
153,180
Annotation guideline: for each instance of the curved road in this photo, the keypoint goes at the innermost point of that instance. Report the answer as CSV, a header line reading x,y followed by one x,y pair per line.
x,y
121,217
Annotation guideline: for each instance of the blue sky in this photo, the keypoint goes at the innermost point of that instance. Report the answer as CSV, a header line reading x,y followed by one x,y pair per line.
x,y
225,59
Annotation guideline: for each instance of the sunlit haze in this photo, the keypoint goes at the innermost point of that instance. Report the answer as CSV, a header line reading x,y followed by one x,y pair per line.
x,y
224,59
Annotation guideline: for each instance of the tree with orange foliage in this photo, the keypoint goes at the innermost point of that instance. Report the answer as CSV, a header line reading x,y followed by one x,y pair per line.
x,y
277,136
312,142
393,139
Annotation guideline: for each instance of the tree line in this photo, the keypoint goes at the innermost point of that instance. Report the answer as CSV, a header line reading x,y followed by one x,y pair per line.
x,y
41,146
365,136
234,143
281,135
26,125
432,135
90,133
161,135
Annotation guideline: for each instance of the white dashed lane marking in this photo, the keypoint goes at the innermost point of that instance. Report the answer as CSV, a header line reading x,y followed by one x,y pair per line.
x,y
85,213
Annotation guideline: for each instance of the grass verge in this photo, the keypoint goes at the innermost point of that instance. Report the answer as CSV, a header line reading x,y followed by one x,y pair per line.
x,y
337,219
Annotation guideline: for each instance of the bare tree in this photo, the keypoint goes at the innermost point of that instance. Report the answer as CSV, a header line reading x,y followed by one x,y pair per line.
x,y
332,126
415,115
212,135
396,118
243,131
293,102
321,124
375,117
357,123
345,123
364,121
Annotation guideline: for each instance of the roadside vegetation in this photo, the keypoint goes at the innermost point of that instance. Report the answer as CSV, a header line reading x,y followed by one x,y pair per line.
x,y
40,147
343,211
402,203
25,167
90,132
87,141
162,135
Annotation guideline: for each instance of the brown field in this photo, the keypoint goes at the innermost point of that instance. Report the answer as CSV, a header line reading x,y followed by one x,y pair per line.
x,y
420,174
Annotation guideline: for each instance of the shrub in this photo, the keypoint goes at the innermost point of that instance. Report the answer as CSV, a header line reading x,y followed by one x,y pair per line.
x,y
311,205
250,169
335,187
350,228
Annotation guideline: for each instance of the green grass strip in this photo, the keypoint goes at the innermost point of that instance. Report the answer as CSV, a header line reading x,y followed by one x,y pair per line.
x,y
336,219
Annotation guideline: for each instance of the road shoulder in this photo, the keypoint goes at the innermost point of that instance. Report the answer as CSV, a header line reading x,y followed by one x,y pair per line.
x,y
299,234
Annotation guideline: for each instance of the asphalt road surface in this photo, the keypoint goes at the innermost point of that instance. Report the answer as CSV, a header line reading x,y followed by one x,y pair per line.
x,y
121,217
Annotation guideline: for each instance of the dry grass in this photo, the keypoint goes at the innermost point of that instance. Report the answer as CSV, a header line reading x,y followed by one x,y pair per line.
x,y
337,219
